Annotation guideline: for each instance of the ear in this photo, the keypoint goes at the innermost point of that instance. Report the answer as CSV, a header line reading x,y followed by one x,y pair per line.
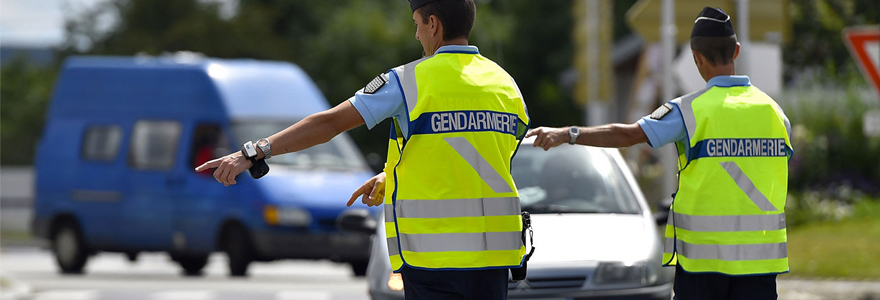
x,y
736,53
434,22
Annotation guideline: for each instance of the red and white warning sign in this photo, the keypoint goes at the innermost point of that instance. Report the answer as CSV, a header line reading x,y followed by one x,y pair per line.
x,y
864,44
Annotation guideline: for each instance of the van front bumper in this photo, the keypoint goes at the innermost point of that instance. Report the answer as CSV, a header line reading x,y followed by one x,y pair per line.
x,y
337,246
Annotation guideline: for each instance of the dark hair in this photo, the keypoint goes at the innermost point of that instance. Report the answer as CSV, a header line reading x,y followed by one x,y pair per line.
x,y
718,50
457,17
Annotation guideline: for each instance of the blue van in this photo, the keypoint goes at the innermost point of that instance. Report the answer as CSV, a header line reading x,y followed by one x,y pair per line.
x,y
115,165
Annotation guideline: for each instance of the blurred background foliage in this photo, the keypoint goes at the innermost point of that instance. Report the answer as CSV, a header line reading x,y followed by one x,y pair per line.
x,y
343,44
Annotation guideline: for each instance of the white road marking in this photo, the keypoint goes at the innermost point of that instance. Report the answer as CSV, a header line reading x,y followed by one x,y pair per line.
x,y
67,295
184,295
302,295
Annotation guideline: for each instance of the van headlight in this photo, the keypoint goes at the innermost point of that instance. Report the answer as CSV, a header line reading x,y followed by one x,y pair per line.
x,y
288,216
625,273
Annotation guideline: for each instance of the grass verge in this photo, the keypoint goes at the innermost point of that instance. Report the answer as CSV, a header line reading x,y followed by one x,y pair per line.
x,y
848,248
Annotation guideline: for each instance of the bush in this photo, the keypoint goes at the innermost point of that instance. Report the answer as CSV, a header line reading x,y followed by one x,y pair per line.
x,y
828,139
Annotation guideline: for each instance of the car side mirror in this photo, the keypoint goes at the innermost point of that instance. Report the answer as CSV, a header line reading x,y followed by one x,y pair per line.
x,y
662,213
357,220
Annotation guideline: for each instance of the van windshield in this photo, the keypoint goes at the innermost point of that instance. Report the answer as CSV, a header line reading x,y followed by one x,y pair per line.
x,y
340,153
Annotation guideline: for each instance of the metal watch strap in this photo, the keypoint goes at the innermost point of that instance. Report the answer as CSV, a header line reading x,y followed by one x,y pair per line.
x,y
266,148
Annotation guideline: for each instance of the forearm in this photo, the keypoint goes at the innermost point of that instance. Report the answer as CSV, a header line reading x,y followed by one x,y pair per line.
x,y
612,135
311,131
316,129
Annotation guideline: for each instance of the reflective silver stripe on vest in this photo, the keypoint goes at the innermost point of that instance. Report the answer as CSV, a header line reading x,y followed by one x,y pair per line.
x,y
687,110
481,241
483,168
747,186
392,246
451,208
389,212
407,76
729,223
730,252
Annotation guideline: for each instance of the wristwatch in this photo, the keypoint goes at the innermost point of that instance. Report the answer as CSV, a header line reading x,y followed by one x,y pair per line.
x,y
266,147
573,131
259,167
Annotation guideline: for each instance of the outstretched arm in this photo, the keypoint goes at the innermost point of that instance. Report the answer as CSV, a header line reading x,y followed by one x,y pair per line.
x,y
313,130
608,135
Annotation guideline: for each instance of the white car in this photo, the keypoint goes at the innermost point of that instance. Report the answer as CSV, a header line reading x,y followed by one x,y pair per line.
x,y
594,234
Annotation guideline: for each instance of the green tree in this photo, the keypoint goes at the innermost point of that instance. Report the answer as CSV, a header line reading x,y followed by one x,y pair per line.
x,y
25,90
817,42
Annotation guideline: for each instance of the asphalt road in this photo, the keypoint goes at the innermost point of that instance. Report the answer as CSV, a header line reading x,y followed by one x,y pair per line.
x,y
110,276
154,277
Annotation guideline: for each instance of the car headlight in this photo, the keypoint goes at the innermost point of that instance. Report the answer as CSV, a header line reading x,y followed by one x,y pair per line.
x,y
625,273
286,216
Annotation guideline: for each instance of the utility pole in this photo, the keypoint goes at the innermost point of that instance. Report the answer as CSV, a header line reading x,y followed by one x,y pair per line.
x,y
742,34
668,31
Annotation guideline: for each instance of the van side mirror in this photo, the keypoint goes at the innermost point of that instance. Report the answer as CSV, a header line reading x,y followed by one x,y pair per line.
x,y
357,220
662,213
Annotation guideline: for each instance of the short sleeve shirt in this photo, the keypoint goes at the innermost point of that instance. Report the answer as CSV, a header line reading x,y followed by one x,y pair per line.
x,y
670,127
388,101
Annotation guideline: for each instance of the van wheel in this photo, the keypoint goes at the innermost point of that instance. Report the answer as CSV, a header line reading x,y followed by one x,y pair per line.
x,y
359,268
68,246
192,264
238,248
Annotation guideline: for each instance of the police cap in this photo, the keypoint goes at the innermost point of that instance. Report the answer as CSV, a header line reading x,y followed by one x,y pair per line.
x,y
712,22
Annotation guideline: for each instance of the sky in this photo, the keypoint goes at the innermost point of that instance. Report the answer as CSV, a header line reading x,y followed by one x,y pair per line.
x,y
37,23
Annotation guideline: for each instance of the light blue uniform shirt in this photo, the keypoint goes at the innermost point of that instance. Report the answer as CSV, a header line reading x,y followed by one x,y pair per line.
x,y
670,128
388,100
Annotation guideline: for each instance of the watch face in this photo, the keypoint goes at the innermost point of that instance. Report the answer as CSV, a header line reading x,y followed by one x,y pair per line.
x,y
573,130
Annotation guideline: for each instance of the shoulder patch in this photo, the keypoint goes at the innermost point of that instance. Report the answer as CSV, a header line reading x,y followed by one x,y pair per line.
x,y
375,84
661,111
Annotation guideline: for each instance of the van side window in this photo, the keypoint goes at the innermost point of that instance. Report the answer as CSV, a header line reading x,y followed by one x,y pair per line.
x,y
101,142
154,144
208,143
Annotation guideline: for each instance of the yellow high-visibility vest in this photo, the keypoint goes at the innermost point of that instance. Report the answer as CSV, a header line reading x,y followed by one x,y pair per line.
x,y
450,201
728,214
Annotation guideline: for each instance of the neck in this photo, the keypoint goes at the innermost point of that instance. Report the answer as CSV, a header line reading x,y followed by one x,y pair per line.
x,y
457,41
722,70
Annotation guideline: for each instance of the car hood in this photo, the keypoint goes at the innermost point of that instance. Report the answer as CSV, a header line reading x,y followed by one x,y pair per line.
x,y
591,237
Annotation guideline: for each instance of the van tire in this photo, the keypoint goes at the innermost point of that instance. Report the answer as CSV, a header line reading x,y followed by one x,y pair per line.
x,y
359,268
69,247
192,264
239,250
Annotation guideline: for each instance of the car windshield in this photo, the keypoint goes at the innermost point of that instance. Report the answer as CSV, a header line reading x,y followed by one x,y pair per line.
x,y
339,153
571,179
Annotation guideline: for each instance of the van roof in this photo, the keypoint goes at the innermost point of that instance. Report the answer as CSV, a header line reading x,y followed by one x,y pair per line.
x,y
187,85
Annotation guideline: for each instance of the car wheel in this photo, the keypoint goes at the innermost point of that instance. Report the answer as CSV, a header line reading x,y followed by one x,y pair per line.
x,y
192,264
68,246
239,250
359,268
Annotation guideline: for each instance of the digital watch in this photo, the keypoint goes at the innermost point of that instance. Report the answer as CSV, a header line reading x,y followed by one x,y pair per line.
x,y
259,168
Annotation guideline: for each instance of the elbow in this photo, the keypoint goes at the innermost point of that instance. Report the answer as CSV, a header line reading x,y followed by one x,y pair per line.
x,y
632,134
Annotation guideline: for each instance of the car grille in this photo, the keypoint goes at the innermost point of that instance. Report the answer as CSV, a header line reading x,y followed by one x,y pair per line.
x,y
548,283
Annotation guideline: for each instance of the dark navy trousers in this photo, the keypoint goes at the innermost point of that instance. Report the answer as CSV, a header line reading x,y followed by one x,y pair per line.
x,y
714,286
461,285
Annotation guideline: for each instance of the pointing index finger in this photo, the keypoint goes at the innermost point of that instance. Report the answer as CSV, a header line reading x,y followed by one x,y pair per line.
x,y
209,165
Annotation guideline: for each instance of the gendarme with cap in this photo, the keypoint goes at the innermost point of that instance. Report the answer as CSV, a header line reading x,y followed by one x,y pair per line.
x,y
728,214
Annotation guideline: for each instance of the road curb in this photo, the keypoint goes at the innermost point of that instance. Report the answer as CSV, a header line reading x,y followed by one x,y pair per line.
x,y
828,289
11,289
